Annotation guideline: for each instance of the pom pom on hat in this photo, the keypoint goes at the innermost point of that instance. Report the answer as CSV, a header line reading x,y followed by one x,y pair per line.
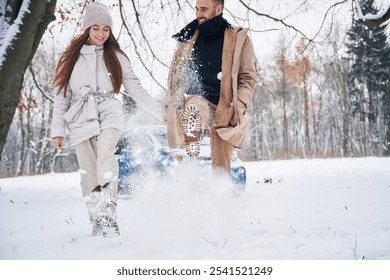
x,y
97,13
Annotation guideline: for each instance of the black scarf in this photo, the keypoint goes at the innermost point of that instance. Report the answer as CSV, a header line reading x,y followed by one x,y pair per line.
x,y
208,30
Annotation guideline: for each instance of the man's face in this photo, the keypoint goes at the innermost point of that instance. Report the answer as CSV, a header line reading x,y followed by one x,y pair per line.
x,y
206,10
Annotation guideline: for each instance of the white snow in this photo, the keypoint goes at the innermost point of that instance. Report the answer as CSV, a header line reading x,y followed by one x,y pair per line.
x,y
319,209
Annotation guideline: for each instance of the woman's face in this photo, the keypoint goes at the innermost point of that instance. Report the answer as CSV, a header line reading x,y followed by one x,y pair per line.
x,y
98,34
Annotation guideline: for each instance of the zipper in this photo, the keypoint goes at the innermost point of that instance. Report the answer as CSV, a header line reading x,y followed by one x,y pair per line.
x,y
96,71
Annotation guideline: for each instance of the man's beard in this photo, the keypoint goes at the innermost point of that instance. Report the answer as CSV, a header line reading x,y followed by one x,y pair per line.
x,y
206,19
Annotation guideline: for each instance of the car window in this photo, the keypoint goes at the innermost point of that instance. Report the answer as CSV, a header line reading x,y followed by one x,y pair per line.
x,y
153,137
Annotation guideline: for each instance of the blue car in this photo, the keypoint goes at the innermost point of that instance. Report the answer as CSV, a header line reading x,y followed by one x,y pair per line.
x,y
237,168
141,150
144,149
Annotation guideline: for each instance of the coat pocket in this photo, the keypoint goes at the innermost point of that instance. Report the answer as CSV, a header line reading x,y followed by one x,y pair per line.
x,y
223,117
244,98
240,110
234,119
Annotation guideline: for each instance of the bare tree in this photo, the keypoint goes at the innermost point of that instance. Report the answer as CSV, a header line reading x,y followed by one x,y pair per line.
x,y
22,26
283,132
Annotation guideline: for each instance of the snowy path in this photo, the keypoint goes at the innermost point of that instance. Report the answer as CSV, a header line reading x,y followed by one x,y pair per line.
x,y
331,209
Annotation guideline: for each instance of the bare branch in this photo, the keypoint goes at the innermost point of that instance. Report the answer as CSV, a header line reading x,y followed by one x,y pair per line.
x,y
37,85
326,14
144,36
135,46
275,19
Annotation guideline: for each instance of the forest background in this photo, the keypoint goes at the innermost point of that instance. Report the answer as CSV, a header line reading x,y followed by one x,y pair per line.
x,y
323,77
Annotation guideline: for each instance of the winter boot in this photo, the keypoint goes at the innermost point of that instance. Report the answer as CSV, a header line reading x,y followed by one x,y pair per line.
x,y
102,213
191,127
106,224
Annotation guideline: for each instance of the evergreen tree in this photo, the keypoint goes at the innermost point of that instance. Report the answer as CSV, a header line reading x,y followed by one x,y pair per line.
x,y
369,78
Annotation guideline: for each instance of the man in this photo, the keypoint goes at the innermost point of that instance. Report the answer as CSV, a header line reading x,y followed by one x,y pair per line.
x,y
210,84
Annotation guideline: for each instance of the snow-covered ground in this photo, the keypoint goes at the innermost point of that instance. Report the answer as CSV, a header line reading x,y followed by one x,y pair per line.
x,y
319,209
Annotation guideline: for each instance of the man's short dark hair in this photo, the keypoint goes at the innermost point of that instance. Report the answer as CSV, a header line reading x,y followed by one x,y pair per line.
x,y
222,2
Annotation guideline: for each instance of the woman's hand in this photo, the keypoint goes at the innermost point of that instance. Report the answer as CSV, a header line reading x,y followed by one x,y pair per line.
x,y
57,142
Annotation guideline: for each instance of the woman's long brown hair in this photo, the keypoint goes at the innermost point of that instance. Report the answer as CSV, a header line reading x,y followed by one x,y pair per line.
x,y
71,54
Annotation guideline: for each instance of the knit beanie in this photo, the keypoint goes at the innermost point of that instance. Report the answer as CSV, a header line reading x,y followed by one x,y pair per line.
x,y
96,13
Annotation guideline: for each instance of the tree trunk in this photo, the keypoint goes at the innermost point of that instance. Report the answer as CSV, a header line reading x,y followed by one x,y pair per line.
x,y
346,113
306,118
285,126
387,152
18,55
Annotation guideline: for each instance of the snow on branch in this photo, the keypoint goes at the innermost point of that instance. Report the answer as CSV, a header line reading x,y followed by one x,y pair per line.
x,y
369,18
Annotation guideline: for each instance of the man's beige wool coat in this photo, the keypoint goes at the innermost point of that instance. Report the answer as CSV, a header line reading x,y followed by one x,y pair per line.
x,y
237,86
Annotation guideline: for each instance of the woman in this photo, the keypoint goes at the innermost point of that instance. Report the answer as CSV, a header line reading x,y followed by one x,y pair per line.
x,y
89,74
